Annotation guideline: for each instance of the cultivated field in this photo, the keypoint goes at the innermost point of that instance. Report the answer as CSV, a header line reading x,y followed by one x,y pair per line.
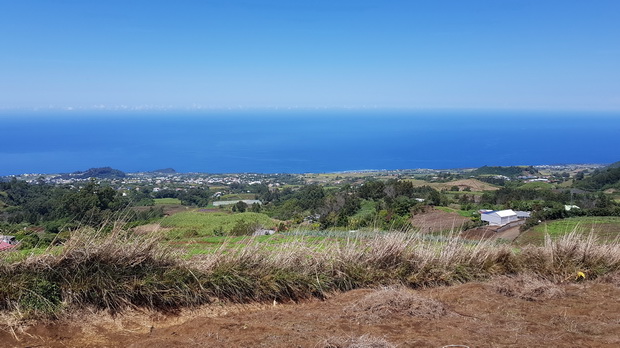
x,y
198,223
437,220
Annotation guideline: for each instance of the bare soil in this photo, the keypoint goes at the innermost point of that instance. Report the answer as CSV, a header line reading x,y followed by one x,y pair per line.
x,y
490,232
501,313
472,184
436,220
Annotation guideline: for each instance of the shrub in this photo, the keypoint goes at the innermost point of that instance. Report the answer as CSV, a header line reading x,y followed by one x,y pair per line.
x,y
244,228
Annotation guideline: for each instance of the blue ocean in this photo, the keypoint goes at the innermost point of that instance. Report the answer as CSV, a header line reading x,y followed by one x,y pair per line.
x,y
297,141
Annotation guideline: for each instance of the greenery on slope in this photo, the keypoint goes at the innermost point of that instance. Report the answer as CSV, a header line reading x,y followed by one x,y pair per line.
x,y
601,180
114,271
513,171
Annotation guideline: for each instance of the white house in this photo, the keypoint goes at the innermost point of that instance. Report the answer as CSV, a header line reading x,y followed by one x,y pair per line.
x,y
499,217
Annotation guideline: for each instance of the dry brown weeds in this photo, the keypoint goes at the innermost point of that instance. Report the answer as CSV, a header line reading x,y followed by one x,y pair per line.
x,y
388,302
527,287
120,270
364,341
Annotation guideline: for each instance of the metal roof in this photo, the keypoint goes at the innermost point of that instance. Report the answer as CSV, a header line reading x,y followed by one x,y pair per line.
x,y
505,213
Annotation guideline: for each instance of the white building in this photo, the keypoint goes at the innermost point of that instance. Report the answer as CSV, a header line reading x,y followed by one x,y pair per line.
x,y
499,217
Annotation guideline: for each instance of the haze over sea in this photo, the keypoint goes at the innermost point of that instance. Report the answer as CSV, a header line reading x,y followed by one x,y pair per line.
x,y
296,141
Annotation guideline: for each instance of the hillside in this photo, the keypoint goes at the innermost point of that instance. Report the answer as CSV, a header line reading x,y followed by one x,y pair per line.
x,y
99,173
472,184
614,165
512,171
601,180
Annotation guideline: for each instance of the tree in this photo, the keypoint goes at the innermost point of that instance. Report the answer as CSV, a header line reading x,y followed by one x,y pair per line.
x,y
240,207
255,208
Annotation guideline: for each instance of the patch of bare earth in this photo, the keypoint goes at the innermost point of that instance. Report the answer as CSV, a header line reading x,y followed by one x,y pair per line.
x,y
435,220
584,315
490,232
472,184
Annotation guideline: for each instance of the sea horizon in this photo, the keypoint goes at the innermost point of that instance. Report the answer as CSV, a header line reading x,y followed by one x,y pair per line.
x,y
303,141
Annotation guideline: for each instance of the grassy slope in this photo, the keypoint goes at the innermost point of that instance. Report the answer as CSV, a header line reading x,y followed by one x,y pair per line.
x,y
198,224
606,228
464,213
537,185
237,197
167,201
115,271
366,208
191,247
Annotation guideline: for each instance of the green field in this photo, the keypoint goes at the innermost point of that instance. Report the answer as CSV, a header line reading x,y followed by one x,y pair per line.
x,y
198,224
237,197
207,245
464,213
606,228
167,201
537,185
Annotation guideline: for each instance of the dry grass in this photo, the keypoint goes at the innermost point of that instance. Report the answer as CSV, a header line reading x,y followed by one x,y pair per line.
x,y
396,301
612,278
120,270
110,271
364,341
527,287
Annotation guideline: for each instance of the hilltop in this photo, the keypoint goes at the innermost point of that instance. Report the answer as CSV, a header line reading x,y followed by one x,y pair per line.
x,y
99,173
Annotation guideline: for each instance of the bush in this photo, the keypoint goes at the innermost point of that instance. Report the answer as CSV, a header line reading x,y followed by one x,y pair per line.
x,y
243,228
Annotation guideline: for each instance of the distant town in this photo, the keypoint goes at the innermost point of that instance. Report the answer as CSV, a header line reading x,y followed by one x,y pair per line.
x,y
170,178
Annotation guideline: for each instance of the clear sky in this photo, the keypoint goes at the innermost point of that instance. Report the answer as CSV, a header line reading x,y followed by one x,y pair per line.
x,y
509,54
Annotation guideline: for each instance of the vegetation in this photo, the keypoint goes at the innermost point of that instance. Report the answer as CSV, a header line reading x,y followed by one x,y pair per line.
x,y
40,214
96,259
99,173
116,270
167,201
606,229
198,224
601,180
506,171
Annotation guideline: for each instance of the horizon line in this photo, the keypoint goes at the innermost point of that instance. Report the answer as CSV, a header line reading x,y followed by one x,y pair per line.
x,y
322,172
199,108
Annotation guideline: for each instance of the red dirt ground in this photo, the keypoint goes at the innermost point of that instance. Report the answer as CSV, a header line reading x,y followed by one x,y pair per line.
x,y
474,315
489,232
436,220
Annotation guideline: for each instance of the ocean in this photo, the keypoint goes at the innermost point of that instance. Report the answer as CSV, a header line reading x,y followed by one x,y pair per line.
x,y
297,141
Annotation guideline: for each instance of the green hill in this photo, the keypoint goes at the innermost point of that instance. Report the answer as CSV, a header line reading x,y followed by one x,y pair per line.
x,y
601,179
99,173
512,171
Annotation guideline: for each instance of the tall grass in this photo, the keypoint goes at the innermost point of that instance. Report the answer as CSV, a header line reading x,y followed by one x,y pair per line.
x,y
118,270
109,271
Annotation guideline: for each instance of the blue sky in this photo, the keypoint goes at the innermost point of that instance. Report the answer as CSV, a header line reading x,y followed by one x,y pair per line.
x,y
504,54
